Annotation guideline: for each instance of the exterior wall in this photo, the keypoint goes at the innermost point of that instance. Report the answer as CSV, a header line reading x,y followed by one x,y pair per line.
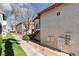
x,y
19,28
4,26
1,17
54,28
31,27
3,23
0,24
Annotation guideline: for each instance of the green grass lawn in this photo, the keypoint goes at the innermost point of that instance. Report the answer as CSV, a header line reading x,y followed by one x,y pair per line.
x,y
18,51
11,48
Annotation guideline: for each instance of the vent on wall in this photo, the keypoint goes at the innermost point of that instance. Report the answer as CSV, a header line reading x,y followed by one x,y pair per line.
x,y
67,38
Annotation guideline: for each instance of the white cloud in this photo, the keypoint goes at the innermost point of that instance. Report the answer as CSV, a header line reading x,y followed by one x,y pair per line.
x,y
6,6
27,5
23,8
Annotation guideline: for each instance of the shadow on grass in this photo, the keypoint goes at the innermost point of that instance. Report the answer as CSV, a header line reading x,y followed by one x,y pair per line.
x,y
8,48
12,39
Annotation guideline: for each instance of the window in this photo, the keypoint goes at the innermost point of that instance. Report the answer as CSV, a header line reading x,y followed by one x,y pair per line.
x,y
38,24
58,13
67,39
4,28
4,17
32,30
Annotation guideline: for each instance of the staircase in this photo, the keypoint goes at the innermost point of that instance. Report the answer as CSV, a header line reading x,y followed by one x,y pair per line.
x,y
32,36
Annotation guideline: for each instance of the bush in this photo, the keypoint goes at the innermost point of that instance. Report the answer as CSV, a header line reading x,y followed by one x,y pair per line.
x,y
1,40
9,35
0,44
26,37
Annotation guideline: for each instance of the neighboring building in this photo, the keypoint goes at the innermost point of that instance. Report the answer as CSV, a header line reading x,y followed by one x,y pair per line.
x,y
59,27
24,25
37,28
9,28
3,23
22,28
31,27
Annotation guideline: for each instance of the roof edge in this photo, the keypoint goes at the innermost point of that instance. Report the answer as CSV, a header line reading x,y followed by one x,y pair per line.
x,y
47,9
50,8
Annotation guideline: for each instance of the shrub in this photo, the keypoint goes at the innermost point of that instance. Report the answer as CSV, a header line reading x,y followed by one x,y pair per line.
x,y
26,37
9,35
1,40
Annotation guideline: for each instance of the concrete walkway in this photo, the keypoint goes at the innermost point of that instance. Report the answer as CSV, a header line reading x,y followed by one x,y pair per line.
x,y
36,51
46,51
27,48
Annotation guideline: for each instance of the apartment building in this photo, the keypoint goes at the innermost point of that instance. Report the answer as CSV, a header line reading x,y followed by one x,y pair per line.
x,y
59,27
3,23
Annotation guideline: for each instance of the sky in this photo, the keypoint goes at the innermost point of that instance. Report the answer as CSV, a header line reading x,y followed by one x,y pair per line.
x,y
40,6
34,7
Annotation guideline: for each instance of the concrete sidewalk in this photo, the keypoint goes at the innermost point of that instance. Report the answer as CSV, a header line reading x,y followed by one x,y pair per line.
x,y
32,51
46,51
27,48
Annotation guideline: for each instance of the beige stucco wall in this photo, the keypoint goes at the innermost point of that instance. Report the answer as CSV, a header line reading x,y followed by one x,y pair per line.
x,y
56,26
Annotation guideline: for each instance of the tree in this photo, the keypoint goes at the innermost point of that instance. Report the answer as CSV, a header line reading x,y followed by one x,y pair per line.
x,y
29,15
19,11
15,11
23,13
